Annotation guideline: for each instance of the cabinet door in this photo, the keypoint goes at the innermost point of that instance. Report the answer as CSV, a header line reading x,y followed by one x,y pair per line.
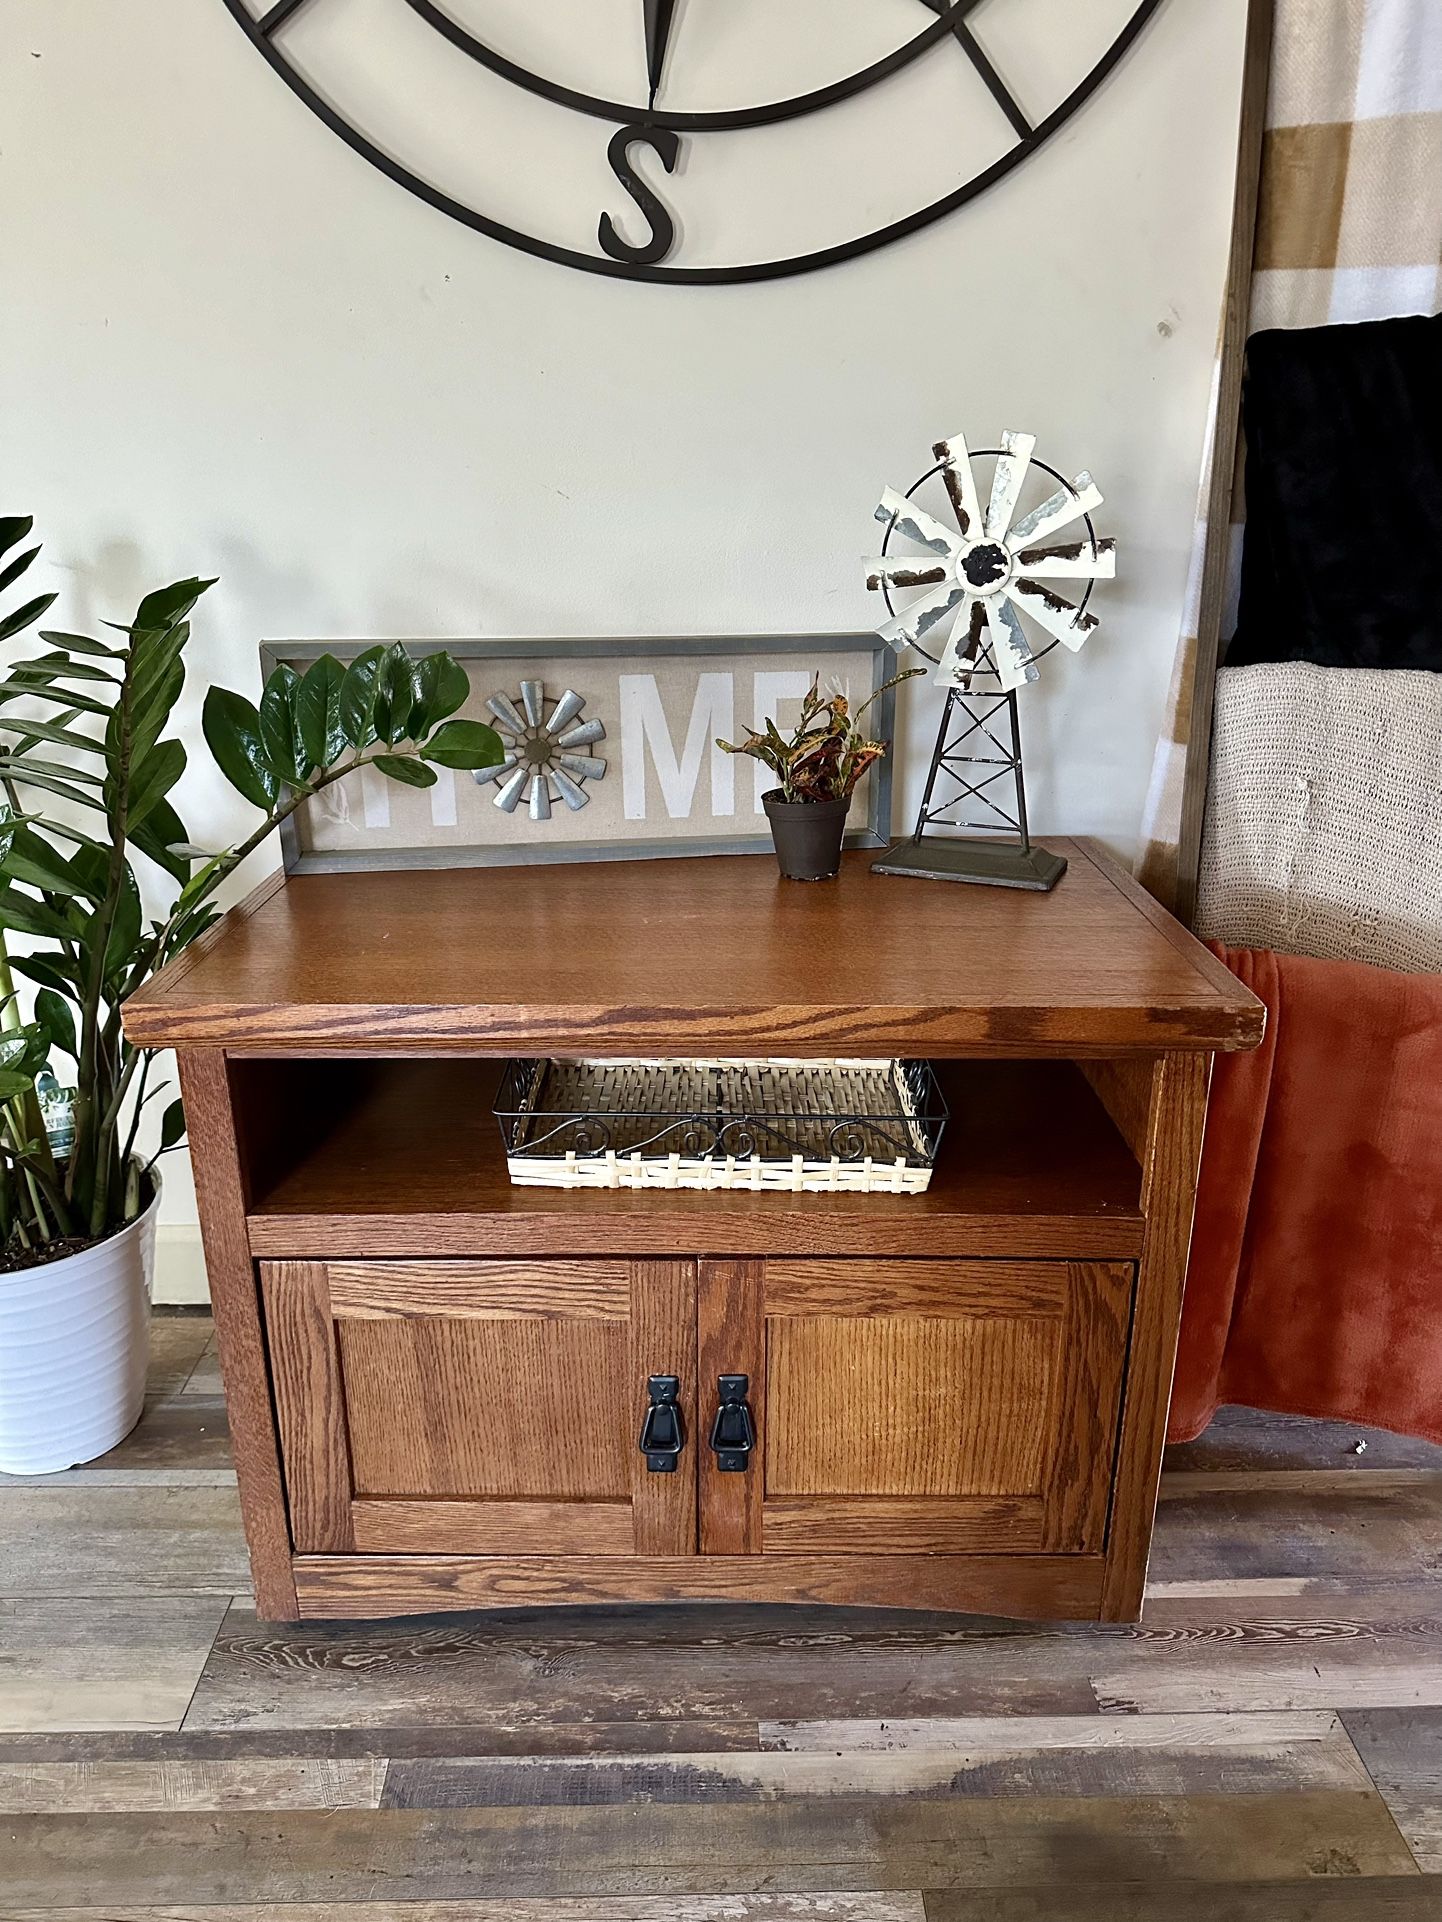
x,y
484,1408
924,1407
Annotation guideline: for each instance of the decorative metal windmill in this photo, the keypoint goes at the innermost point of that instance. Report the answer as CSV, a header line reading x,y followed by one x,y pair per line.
x,y
541,762
976,581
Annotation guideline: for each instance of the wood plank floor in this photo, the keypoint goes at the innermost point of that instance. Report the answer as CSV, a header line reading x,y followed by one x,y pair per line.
x,y
1265,1747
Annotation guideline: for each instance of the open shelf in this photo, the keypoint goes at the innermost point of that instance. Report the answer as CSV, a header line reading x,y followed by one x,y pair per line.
x,y
404,1158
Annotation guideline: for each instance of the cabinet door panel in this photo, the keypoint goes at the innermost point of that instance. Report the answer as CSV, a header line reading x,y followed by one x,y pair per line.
x,y
917,1407
459,1408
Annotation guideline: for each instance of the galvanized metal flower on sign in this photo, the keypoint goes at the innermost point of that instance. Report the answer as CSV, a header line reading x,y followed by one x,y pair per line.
x,y
992,568
541,759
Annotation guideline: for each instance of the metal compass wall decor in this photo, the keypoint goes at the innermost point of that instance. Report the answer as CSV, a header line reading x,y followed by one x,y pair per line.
x,y
972,583
682,140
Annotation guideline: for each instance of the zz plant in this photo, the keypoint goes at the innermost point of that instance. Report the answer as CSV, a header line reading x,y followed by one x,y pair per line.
x,y
86,771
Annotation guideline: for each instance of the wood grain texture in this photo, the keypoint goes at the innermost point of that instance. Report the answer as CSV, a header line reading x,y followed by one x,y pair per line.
x,y
958,1525
1169,1177
1308,1898
655,1848
1085,1407
128,1662
397,961
404,1158
220,1191
508,1408
96,1538
1217,553
1078,1756
663,1342
901,1405
1045,1588
730,1340
1402,1750
309,1405
973,1289
492,1528
799,1906
117,1787
481,1290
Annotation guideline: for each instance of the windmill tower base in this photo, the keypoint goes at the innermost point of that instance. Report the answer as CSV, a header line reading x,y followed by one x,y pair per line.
x,y
978,746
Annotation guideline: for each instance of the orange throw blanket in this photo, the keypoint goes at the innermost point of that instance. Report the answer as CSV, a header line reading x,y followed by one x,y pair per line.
x,y
1315,1284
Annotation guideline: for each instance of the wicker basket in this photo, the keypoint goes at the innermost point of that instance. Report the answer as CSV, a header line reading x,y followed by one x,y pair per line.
x,y
806,1127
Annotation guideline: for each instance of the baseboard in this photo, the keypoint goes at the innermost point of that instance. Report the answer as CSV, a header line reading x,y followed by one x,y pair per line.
x,y
180,1278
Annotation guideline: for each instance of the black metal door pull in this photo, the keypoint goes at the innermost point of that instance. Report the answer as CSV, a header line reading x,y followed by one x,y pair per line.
x,y
662,1434
733,1433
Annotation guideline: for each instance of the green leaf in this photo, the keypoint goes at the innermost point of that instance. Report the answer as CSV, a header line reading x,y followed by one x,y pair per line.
x,y
156,775
280,736
49,970
172,1125
232,733
63,697
12,1083
58,667
159,836
13,528
441,687
25,915
31,859
81,644
399,768
9,575
167,605
55,1015
467,744
124,929
358,697
23,616
317,704
22,766
50,731
395,695
24,775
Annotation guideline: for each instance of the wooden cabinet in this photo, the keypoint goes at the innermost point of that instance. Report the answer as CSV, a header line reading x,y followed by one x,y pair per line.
x,y
479,1408
495,1408
916,1407
437,1380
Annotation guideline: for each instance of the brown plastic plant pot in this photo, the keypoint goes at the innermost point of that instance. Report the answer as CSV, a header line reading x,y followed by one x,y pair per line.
x,y
807,835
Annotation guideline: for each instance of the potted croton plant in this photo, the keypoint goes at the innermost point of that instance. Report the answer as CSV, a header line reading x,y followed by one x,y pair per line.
x,y
86,769
819,765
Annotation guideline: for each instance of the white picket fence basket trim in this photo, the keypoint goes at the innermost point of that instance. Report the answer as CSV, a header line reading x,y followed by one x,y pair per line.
x,y
812,1094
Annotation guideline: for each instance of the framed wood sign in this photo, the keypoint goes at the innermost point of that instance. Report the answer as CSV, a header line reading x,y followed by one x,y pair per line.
x,y
611,752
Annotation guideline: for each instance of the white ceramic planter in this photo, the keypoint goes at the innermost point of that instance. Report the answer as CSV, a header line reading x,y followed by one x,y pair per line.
x,y
74,1344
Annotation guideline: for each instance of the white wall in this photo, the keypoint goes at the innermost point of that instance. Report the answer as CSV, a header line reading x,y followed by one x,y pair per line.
x,y
228,345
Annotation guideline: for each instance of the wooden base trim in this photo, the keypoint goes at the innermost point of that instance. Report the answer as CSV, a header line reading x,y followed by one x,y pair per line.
x,y
1029,1587
901,1525
723,1231
492,1528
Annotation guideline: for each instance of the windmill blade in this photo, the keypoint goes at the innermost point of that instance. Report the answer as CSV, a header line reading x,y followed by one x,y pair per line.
x,y
1007,483
895,510
1063,507
482,775
1014,664
922,620
582,735
955,458
1057,616
900,570
1076,561
504,710
962,655
565,710
511,790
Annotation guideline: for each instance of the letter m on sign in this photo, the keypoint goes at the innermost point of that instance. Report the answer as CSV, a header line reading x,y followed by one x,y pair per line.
x,y
645,734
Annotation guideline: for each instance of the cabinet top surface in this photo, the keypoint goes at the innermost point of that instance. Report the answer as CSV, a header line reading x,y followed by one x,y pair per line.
x,y
711,953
